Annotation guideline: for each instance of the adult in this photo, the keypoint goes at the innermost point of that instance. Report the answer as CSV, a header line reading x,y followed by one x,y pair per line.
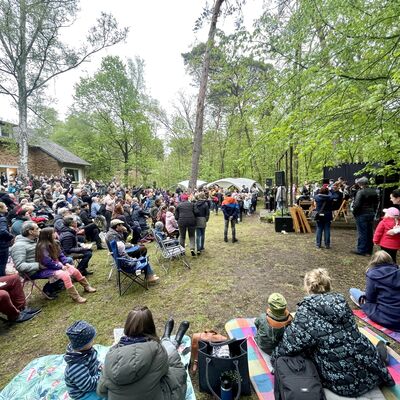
x,y
6,239
54,264
202,212
230,208
325,329
381,299
109,203
323,205
12,300
91,229
140,366
186,219
364,207
395,197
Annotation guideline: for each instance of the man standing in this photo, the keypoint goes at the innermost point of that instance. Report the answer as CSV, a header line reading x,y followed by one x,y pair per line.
x,y
364,208
230,208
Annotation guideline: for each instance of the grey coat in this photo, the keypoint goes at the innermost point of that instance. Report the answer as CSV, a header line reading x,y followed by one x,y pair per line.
x,y
142,371
23,253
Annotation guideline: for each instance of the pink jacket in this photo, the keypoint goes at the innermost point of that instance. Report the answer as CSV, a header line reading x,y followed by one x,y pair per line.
x,y
382,238
170,222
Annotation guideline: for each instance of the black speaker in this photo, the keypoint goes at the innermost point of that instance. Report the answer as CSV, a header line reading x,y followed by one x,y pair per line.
x,y
280,178
268,182
284,223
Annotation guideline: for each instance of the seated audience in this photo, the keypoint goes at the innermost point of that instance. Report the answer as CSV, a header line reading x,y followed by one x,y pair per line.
x,y
6,239
271,325
162,236
381,299
171,225
141,366
83,369
91,229
325,329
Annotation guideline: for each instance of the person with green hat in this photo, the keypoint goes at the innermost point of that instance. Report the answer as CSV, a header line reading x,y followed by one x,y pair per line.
x,y
271,325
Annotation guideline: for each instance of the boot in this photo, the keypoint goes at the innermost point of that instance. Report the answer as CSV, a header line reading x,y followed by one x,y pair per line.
x,y
234,240
169,326
226,239
73,293
87,286
183,327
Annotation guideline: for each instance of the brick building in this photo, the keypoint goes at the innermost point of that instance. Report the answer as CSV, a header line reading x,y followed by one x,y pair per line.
x,y
44,156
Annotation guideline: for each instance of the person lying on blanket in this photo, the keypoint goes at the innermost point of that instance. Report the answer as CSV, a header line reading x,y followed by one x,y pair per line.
x,y
325,330
83,368
381,299
271,325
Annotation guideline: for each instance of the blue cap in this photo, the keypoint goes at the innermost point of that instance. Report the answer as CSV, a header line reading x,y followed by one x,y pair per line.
x,y
80,333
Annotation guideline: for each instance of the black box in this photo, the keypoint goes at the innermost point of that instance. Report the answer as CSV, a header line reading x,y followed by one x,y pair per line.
x,y
284,223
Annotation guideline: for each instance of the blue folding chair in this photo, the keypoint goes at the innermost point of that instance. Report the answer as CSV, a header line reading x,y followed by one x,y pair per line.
x,y
129,269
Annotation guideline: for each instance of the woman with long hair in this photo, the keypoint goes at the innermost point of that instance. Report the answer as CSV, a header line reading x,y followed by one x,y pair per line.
x,y
381,299
54,263
141,366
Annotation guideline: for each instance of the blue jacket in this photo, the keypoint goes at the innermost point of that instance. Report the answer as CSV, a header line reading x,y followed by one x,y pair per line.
x,y
230,208
383,295
327,199
5,236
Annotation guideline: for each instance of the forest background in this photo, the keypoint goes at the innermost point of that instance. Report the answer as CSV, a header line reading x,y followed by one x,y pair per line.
x,y
315,80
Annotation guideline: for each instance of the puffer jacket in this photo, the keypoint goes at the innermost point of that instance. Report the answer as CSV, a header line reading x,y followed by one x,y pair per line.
x,y
5,236
23,253
381,236
324,329
142,371
383,295
184,214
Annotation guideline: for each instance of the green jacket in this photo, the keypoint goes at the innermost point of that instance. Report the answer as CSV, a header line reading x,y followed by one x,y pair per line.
x,y
142,371
23,253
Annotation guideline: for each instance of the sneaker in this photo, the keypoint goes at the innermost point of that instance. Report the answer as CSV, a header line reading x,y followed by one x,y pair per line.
x,y
153,280
226,239
234,240
356,302
31,310
23,316
198,252
192,253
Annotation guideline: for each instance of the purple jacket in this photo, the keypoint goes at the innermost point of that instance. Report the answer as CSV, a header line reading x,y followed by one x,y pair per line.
x,y
51,265
383,295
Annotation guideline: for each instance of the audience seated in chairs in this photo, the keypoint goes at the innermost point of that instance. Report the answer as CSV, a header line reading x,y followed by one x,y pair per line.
x,y
171,226
91,229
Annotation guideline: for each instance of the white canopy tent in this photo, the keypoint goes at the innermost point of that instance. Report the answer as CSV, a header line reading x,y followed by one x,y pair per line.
x,y
237,183
185,184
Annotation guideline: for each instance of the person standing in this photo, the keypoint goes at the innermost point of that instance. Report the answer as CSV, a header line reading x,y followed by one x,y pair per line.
x,y
202,212
323,202
364,208
186,219
230,208
6,239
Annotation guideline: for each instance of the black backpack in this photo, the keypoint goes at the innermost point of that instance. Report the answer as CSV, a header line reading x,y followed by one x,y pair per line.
x,y
296,378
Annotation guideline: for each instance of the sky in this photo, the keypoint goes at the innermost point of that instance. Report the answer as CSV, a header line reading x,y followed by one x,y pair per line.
x,y
160,31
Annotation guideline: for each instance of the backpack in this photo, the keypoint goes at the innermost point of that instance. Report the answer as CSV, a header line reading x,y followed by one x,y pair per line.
x,y
296,378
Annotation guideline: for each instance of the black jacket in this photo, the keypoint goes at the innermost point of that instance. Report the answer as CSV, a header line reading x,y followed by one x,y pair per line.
x,y
184,214
69,241
366,202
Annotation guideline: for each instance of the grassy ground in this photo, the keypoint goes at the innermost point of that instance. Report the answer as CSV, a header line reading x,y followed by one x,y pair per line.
x,y
227,281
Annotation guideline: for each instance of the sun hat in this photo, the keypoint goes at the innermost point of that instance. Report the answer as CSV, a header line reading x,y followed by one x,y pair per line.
x,y
277,306
115,222
391,212
80,333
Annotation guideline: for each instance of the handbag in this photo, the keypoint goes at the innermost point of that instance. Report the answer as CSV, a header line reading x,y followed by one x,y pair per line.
x,y
235,367
318,215
209,336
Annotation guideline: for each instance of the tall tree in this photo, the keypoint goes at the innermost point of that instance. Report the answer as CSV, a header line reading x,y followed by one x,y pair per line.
x,y
31,52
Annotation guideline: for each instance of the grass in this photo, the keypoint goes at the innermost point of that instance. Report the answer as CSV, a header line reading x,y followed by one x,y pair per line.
x,y
227,281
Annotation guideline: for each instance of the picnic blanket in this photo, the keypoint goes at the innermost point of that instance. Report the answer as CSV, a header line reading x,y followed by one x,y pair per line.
x,y
43,378
361,314
260,365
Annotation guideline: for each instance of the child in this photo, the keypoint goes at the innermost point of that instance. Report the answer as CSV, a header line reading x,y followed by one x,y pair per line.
x,y
387,242
83,368
271,325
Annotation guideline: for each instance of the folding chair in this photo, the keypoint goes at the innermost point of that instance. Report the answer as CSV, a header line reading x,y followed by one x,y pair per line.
x,y
129,269
27,280
169,250
110,259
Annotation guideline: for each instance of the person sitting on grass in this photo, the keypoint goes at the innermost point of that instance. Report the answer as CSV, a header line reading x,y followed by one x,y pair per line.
x,y
381,299
83,369
271,325
325,329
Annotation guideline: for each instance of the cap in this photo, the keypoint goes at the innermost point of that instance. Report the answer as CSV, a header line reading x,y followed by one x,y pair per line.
x,y
362,181
80,333
115,222
391,212
277,305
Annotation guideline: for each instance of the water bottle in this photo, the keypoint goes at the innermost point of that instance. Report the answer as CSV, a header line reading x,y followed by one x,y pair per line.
x,y
226,390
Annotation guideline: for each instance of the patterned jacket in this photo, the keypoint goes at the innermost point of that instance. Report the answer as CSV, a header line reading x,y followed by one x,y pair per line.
x,y
324,329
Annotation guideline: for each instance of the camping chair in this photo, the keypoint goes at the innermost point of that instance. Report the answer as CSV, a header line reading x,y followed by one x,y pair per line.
x,y
169,250
130,269
27,280
110,258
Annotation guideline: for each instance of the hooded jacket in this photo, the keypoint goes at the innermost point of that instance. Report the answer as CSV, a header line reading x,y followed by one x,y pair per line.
x,y
382,238
23,253
383,295
202,213
184,214
324,329
142,371
230,208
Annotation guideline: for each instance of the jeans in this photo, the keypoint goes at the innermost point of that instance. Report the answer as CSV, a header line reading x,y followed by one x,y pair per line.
x,y
84,263
200,238
365,228
356,294
182,236
3,260
233,227
325,227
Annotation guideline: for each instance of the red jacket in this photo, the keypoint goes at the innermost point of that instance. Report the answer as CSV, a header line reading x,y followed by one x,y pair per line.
x,y
382,238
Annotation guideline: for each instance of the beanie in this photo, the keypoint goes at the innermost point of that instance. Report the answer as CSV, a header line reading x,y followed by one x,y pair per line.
x,y
277,305
80,333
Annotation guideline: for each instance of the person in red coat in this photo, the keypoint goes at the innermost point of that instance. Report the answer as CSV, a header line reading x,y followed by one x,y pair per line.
x,y
389,243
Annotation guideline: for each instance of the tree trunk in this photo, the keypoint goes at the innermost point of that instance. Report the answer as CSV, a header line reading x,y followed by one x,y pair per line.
x,y
198,131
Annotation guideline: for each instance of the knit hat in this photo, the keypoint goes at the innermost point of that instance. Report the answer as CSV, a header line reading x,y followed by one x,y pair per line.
x,y
184,197
80,333
391,212
277,305
115,222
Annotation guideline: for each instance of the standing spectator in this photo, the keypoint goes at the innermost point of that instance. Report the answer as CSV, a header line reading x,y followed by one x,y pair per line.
x,y
323,203
5,239
364,207
109,202
230,208
202,212
186,219
280,198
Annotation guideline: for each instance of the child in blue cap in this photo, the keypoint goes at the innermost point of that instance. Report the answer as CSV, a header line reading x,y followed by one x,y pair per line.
x,y
83,368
